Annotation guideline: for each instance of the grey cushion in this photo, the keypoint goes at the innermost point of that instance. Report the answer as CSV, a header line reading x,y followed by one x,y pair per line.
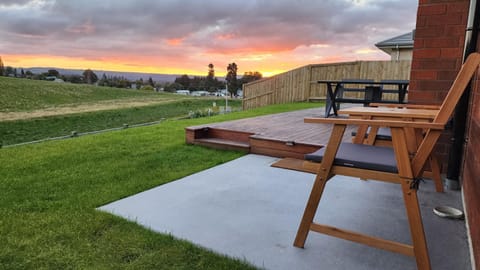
x,y
382,134
361,156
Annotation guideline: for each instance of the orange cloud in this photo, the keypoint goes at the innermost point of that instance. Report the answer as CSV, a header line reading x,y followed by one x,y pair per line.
x,y
175,41
225,37
135,64
111,64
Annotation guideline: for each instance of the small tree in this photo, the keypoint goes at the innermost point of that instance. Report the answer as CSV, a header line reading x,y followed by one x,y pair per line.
x,y
232,83
147,88
103,81
139,83
184,80
53,72
89,76
8,70
2,68
251,76
151,82
211,72
172,87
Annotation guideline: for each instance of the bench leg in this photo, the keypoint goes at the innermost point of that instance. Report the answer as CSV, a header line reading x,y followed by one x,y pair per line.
x,y
416,226
310,210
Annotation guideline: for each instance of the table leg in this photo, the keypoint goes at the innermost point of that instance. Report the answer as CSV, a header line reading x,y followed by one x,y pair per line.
x,y
330,102
402,90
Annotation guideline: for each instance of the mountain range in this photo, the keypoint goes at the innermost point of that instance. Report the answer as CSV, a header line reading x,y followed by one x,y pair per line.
x,y
132,76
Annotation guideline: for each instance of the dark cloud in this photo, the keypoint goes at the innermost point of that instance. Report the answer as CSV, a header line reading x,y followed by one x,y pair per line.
x,y
7,3
90,27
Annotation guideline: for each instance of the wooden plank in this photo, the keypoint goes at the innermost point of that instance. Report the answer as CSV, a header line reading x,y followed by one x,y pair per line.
x,y
380,123
313,167
232,135
290,146
367,174
402,154
269,134
416,226
272,152
319,185
364,239
408,106
223,141
294,164
258,96
223,144
429,114
424,151
464,76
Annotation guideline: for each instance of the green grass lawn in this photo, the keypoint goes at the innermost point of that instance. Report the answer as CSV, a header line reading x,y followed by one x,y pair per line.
x,y
13,132
50,191
27,95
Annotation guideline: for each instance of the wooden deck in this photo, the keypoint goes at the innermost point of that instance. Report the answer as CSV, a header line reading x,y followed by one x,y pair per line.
x,y
279,135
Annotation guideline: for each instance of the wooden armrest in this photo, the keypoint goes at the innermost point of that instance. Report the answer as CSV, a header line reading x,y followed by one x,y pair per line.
x,y
378,123
408,106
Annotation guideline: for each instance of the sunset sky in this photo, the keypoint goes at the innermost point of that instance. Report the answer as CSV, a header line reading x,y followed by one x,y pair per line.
x,y
184,36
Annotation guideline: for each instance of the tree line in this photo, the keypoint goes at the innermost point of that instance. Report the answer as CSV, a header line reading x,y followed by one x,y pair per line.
x,y
211,83
208,83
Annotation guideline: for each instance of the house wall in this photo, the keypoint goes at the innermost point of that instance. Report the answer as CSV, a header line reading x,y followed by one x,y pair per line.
x,y
471,171
437,56
405,54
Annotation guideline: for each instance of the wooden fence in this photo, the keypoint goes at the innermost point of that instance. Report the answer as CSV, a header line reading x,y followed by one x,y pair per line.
x,y
301,84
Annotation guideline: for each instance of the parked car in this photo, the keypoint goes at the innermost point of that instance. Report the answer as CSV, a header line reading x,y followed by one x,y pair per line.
x,y
183,92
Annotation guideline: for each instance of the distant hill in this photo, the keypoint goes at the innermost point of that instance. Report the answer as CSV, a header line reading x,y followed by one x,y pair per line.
x,y
128,75
18,95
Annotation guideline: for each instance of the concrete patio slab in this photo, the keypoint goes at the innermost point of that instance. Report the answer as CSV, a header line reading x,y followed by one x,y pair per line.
x,y
249,210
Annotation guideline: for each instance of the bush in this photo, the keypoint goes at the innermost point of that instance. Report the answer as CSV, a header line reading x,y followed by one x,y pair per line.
x,y
147,87
202,113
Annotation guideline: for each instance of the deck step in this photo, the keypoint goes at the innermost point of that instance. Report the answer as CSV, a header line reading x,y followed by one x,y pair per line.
x,y
223,144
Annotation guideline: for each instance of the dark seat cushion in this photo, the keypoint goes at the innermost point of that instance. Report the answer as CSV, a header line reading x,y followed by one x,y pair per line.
x,y
382,134
361,156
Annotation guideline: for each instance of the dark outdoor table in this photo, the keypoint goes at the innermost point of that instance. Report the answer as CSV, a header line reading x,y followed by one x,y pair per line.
x,y
333,87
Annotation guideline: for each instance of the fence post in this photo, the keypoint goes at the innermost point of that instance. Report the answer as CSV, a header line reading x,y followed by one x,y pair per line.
x,y
308,85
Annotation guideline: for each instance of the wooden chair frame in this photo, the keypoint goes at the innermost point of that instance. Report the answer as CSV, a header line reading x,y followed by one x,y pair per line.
x,y
410,168
370,137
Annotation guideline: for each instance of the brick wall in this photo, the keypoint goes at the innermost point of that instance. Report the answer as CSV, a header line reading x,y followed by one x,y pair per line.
x,y
471,170
437,55
438,48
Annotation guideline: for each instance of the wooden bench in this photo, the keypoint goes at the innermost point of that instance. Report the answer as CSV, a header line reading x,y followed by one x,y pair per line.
x,y
413,143
366,91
